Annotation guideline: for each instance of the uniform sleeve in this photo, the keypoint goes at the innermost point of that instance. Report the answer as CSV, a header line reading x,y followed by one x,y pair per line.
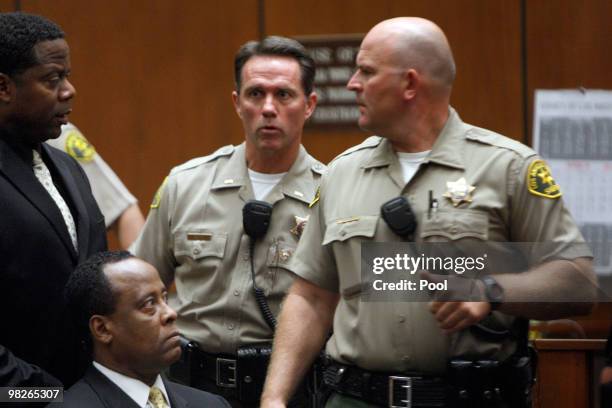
x,y
156,242
312,260
111,194
539,215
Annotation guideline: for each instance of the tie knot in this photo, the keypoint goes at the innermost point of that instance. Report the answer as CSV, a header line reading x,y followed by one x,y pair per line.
x,y
156,398
36,159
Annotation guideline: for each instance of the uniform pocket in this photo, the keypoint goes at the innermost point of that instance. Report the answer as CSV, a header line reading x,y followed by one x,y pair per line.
x,y
455,224
199,254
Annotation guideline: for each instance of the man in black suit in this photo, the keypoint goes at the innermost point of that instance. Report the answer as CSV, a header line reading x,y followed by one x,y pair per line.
x,y
49,220
119,305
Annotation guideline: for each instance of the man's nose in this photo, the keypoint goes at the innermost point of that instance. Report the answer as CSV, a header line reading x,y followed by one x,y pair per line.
x,y
269,106
169,315
67,91
353,83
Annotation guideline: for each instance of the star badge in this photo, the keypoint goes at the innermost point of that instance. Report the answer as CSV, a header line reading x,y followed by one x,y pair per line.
x,y
300,223
459,191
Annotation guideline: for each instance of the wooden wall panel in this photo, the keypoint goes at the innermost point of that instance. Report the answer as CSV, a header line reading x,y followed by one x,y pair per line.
x,y
154,79
568,45
7,6
484,35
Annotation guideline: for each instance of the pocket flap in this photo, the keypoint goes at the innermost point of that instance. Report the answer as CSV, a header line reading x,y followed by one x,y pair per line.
x,y
343,229
200,244
456,224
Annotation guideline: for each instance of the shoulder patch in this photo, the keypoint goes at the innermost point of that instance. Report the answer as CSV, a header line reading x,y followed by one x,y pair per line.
x,y
316,198
158,194
540,181
223,151
78,147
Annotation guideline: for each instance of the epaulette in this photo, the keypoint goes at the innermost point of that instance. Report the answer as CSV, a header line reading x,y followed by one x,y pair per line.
x,y
223,151
319,168
495,139
369,143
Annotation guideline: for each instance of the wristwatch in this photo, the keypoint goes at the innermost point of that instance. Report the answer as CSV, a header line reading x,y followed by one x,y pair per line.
x,y
493,291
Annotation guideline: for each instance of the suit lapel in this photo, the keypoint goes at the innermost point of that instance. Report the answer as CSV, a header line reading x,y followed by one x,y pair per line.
x,y
109,394
176,401
82,220
22,177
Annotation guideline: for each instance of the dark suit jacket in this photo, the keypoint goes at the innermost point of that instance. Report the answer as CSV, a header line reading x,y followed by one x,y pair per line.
x,y
18,373
37,257
95,390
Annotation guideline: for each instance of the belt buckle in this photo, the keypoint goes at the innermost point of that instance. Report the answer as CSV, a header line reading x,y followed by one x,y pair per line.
x,y
405,384
226,372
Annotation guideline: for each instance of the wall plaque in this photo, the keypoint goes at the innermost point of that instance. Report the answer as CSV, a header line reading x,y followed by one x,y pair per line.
x,y
334,56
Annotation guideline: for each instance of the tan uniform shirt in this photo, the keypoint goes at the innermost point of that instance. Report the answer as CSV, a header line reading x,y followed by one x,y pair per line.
x,y
194,236
403,336
110,193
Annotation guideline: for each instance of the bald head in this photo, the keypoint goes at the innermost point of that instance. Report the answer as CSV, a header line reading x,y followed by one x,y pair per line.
x,y
417,43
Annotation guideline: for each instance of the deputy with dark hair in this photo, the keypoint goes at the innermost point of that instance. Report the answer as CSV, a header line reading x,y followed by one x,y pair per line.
x,y
50,220
194,232
119,305
465,186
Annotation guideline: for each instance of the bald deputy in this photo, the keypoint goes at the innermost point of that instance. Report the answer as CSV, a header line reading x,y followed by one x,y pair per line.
x,y
485,189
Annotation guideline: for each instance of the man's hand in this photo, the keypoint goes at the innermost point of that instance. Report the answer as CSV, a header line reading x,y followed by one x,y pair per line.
x,y
455,316
266,403
451,308
606,375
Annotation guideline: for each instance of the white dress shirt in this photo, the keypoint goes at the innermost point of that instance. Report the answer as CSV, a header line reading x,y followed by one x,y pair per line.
x,y
136,389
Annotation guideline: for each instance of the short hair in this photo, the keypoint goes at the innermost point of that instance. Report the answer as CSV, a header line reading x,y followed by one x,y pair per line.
x,y
89,292
19,33
281,47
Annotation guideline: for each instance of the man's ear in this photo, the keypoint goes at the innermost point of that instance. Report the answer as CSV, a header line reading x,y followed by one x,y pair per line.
x,y
100,328
7,88
311,104
235,98
412,81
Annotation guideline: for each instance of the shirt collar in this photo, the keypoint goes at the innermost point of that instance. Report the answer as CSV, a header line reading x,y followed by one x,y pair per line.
x,y
445,151
136,389
298,183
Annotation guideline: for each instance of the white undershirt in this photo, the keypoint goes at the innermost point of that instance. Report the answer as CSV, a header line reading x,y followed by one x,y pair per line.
x,y
263,183
410,163
136,389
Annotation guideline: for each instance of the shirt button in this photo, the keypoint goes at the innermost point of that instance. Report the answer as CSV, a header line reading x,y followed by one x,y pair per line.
x,y
230,326
236,293
343,233
454,230
402,319
245,257
196,251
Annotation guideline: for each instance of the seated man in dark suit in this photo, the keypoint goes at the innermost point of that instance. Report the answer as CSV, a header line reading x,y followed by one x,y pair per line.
x,y
119,304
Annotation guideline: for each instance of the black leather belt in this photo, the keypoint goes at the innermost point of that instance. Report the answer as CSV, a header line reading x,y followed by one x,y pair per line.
x,y
219,368
394,391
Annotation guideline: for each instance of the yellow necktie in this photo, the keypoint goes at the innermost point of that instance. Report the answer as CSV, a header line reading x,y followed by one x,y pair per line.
x,y
157,399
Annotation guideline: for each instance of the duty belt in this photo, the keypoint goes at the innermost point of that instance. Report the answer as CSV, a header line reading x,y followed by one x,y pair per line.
x,y
394,391
220,369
